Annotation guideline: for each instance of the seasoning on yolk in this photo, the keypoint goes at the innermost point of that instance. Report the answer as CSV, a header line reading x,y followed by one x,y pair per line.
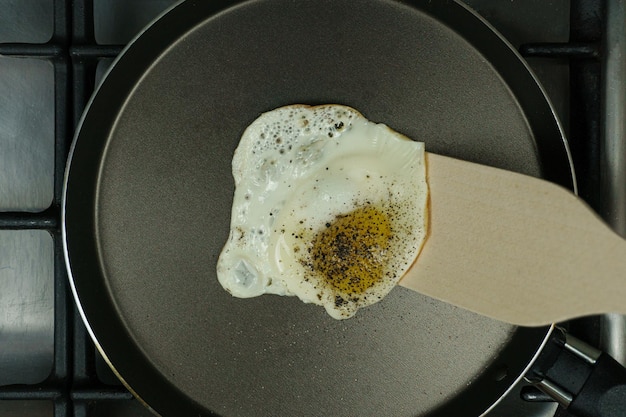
x,y
350,253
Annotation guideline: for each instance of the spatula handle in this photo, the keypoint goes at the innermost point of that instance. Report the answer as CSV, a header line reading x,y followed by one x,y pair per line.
x,y
516,248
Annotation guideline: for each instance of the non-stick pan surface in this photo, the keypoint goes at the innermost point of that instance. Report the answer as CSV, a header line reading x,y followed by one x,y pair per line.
x,y
149,190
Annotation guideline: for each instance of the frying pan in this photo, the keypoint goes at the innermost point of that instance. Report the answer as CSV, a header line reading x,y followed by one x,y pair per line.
x,y
148,196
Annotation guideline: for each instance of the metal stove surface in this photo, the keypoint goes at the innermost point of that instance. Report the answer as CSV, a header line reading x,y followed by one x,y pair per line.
x,y
42,94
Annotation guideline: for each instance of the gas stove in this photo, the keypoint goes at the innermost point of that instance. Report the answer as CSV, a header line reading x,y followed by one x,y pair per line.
x,y
54,53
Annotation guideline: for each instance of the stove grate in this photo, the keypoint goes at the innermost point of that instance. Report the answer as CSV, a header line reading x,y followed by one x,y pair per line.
x,y
73,384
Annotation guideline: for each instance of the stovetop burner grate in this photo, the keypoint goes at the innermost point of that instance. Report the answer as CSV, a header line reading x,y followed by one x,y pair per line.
x,y
73,386
76,385
583,52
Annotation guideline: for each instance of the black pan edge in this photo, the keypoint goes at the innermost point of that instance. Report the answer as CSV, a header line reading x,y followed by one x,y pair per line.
x,y
556,161
104,324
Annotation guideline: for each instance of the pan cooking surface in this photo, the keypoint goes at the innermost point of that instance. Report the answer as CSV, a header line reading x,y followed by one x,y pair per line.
x,y
155,185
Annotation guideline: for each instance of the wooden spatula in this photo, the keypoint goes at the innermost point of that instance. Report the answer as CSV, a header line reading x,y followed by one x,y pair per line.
x,y
516,248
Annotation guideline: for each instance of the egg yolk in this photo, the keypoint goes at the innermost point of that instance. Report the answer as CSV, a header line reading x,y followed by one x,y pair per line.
x,y
350,253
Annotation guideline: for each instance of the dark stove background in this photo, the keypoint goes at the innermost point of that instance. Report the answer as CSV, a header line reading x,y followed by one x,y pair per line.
x,y
55,53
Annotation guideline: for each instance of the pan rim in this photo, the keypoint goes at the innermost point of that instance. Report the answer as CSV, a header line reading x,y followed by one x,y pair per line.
x,y
222,6
570,160
66,176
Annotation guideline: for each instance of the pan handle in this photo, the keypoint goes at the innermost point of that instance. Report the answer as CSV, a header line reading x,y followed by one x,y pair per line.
x,y
582,379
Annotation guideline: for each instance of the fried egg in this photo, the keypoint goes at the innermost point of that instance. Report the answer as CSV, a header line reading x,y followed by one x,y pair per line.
x,y
328,207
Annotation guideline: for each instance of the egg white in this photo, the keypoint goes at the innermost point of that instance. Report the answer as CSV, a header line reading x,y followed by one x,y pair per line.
x,y
299,173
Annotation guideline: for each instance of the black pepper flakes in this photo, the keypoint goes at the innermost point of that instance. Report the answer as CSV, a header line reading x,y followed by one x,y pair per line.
x,y
350,253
